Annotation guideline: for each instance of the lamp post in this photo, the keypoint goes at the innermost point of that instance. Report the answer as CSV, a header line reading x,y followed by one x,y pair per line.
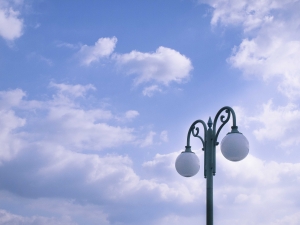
x,y
234,147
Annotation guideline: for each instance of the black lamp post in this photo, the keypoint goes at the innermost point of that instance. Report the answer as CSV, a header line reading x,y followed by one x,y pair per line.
x,y
234,147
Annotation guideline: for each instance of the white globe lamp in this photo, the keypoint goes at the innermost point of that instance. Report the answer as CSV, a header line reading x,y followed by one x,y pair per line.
x,y
187,163
235,146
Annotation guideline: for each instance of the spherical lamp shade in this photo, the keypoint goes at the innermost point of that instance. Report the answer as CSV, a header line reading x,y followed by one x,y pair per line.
x,y
187,164
235,146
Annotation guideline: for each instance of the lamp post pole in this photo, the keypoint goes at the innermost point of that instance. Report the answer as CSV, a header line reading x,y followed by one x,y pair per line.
x,y
209,152
234,147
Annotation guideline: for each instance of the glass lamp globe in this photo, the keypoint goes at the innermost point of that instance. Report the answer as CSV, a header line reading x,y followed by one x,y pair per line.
x,y
235,146
187,164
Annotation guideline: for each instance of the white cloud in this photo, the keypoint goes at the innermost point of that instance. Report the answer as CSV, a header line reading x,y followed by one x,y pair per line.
x,y
272,122
11,141
279,123
11,98
74,90
149,91
91,183
250,185
54,180
11,26
128,116
104,47
164,136
80,128
35,56
162,169
269,50
242,119
131,114
62,120
61,44
250,14
160,159
9,218
271,55
179,220
163,66
70,184
292,219
242,198
148,140
271,46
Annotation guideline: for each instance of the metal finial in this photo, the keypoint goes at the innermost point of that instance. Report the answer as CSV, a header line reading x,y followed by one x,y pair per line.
x,y
209,123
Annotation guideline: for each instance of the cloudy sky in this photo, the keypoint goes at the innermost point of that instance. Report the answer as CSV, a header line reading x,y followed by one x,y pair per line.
x,y
96,98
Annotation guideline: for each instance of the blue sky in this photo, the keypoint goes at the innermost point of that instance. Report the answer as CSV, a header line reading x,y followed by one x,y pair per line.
x,y
96,98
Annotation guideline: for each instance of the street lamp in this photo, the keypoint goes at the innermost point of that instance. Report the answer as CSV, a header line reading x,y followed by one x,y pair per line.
x,y
234,147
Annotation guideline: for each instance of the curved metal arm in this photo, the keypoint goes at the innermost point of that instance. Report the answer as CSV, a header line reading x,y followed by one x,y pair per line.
x,y
195,131
224,120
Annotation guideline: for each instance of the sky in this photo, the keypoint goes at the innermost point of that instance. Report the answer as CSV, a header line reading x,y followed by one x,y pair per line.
x,y
96,99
